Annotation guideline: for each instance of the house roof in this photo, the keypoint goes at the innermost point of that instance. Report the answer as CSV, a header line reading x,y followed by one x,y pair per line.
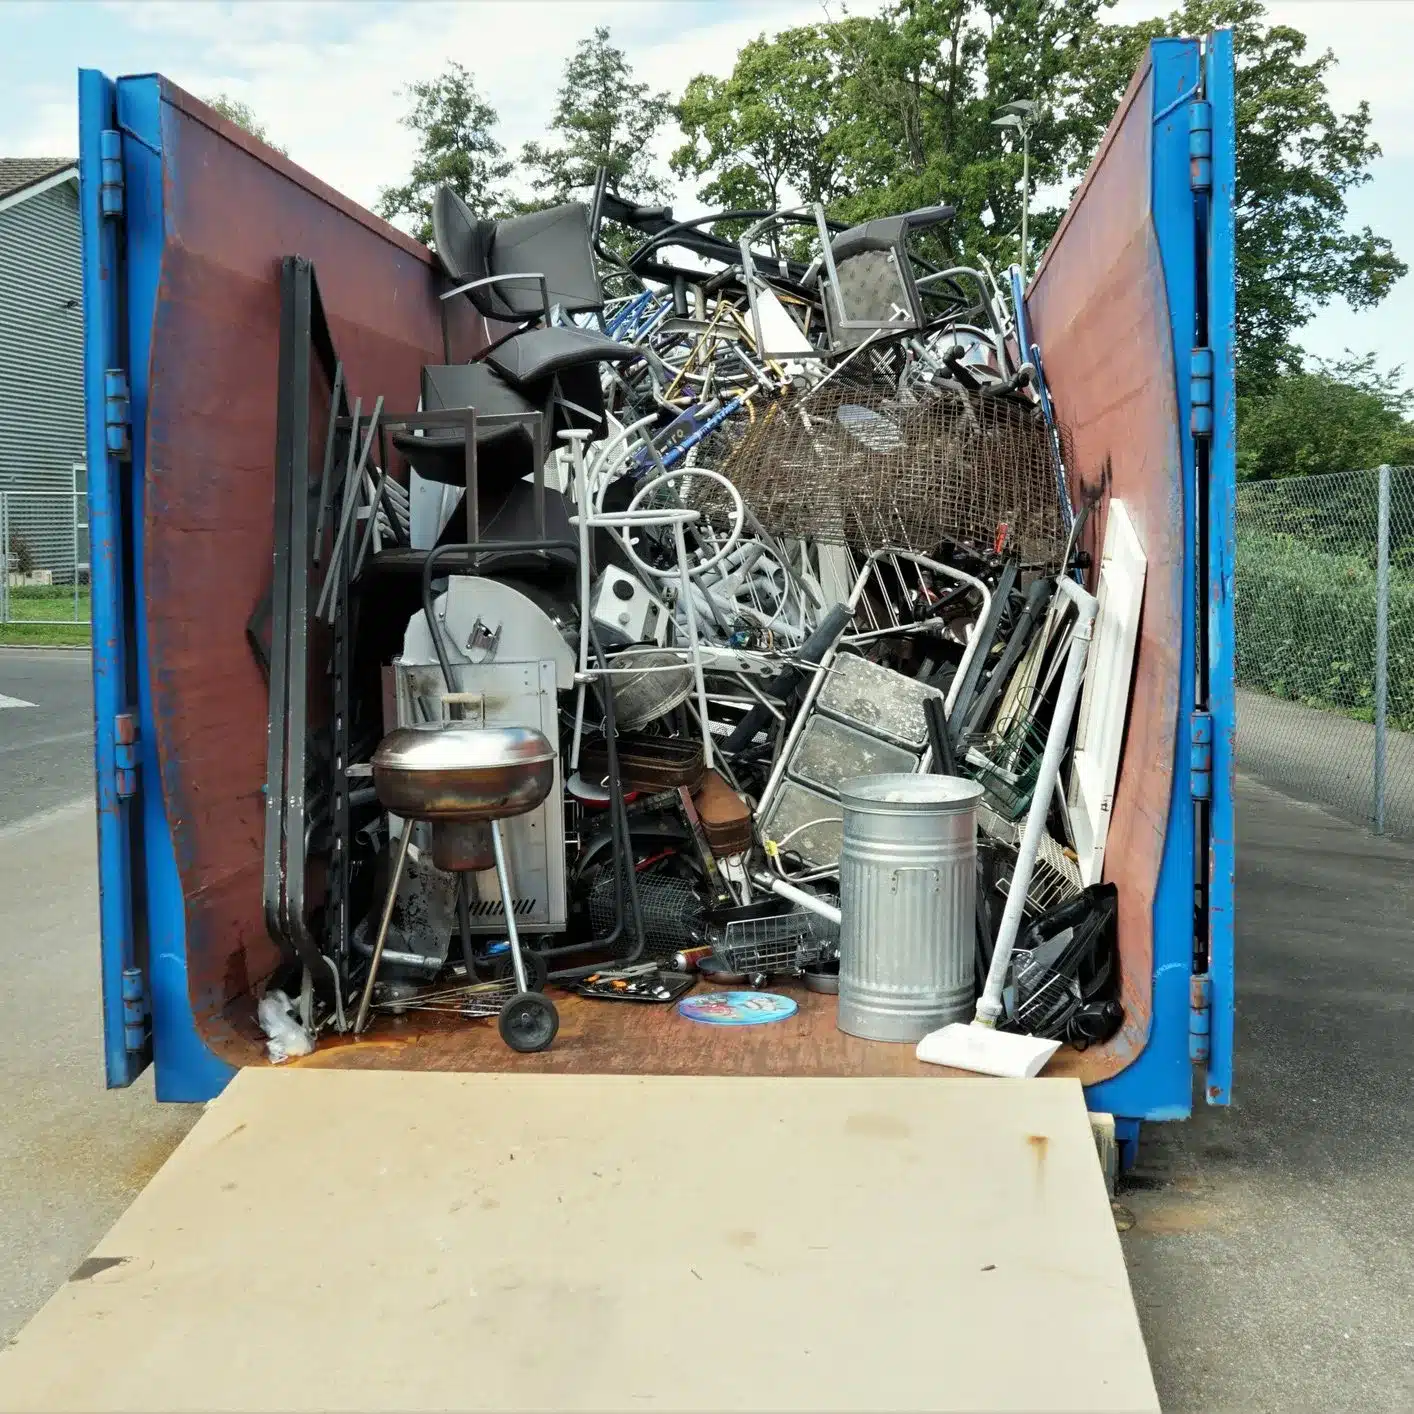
x,y
17,173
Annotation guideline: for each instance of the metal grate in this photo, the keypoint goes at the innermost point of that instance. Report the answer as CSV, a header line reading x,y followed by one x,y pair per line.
x,y
861,465
1055,879
786,942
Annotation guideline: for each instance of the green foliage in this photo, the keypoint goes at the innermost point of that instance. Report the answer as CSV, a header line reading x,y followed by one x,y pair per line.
x,y
234,111
457,147
775,129
1338,416
887,113
1297,159
602,119
1304,620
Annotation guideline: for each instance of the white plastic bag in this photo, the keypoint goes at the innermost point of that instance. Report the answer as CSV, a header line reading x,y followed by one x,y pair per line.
x,y
275,1012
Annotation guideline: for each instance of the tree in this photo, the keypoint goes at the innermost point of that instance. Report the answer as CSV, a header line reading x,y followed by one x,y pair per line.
x,y
603,119
774,130
1337,416
457,147
1297,159
234,111
886,113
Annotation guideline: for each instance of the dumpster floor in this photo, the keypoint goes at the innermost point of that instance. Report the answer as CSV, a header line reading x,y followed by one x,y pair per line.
x,y
598,1037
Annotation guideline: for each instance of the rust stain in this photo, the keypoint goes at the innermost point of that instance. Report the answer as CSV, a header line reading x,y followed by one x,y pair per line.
x,y
877,1126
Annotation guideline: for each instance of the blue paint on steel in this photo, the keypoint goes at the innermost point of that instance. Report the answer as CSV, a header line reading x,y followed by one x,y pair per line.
x,y
1127,1136
110,150
1222,503
186,1069
1158,1084
98,238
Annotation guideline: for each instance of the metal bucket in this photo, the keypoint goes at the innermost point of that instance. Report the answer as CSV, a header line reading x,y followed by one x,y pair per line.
x,y
908,886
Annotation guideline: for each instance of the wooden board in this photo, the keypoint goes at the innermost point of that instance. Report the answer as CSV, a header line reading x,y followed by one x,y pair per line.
x,y
622,1038
345,1241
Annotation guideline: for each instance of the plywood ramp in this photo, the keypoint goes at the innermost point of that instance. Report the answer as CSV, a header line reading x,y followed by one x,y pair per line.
x,y
341,1240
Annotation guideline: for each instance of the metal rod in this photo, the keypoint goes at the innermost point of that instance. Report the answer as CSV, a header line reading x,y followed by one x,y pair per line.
x,y
508,903
693,648
366,1000
989,1004
329,438
1381,649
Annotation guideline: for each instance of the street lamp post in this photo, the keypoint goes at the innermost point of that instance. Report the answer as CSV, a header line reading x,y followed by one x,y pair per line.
x,y
1019,116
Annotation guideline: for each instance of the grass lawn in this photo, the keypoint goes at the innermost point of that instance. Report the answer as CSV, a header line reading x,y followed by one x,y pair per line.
x,y
31,605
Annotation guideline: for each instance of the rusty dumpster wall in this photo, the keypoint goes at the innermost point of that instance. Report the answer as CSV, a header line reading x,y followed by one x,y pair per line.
x,y
1099,310
232,209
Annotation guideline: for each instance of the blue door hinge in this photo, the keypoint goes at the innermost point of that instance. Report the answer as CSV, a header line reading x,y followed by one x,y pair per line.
x,y
110,158
1200,756
134,1010
125,760
1200,389
1200,1019
1200,145
117,413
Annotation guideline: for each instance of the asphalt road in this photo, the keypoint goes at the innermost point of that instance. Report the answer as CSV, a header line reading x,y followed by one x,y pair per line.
x,y
46,730
1270,1250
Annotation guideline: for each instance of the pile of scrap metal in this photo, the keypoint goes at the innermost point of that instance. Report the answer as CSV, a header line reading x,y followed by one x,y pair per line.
x,y
579,690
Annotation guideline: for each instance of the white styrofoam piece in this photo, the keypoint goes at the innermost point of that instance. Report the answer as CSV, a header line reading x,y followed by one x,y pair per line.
x,y
963,1045
1104,703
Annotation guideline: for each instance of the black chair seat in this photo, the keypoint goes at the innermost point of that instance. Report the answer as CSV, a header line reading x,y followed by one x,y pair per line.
x,y
538,354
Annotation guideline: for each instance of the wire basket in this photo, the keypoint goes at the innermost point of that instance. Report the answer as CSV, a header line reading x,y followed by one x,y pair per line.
x,y
1006,765
1055,879
785,942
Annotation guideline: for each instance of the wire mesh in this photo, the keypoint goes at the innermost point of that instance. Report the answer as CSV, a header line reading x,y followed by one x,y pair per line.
x,y
1055,877
786,942
854,463
44,556
1307,607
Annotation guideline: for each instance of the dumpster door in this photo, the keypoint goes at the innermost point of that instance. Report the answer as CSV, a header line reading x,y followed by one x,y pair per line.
x,y
1213,160
127,1027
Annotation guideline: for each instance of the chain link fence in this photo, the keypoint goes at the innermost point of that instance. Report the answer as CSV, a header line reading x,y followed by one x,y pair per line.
x,y
1325,641
44,558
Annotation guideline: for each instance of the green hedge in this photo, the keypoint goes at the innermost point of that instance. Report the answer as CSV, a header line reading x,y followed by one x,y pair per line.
x,y
1306,627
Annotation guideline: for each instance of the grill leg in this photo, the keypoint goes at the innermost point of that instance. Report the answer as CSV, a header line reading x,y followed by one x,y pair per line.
x,y
503,878
366,1000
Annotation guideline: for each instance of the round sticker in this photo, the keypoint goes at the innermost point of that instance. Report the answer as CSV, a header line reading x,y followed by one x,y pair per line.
x,y
737,1008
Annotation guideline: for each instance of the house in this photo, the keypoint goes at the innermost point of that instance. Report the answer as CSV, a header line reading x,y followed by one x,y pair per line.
x,y
41,365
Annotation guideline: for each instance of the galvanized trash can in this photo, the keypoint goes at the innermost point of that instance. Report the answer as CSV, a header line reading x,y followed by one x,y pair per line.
x,y
908,883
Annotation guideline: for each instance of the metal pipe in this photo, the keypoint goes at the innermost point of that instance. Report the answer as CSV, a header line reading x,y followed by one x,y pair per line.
x,y
801,896
366,1000
508,903
1381,650
989,1004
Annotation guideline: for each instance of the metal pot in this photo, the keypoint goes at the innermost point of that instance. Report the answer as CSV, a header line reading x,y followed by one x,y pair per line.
x,y
460,771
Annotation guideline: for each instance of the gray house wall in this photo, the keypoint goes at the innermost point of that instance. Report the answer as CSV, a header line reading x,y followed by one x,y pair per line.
x,y
41,372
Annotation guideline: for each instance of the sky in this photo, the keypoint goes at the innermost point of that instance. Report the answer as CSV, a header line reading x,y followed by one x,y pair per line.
x,y
325,78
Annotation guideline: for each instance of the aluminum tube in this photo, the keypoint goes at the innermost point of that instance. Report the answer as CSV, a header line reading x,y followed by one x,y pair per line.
x,y
989,1004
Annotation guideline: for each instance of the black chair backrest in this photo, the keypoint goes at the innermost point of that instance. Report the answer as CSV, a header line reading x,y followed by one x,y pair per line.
x,y
554,243
875,275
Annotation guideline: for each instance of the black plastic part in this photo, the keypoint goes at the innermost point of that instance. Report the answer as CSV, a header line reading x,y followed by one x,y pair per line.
x,y
528,1023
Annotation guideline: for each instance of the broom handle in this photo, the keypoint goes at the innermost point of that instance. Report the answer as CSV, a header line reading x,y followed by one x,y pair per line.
x,y
989,1004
